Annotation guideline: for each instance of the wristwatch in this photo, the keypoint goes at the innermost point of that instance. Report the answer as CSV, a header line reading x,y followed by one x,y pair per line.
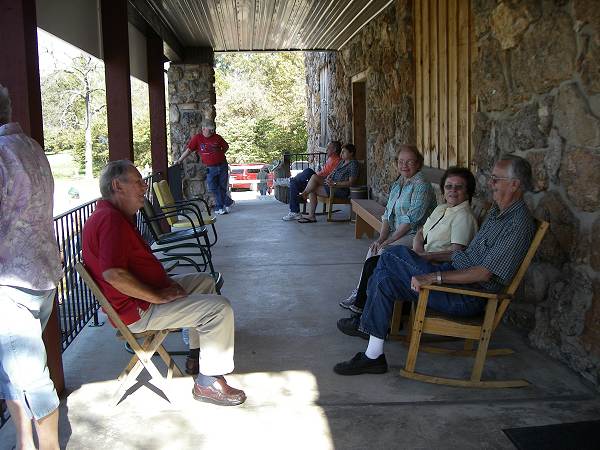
x,y
439,278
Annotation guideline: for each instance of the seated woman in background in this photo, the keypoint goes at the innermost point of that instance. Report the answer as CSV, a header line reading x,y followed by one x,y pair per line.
x,y
449,228
411,201
343,176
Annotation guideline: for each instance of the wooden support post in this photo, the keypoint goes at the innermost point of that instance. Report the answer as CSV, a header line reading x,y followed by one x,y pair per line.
x,y
115,40
158,116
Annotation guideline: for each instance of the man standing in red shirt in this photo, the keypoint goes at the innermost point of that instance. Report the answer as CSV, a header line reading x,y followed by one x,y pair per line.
x,y
212,147
145,297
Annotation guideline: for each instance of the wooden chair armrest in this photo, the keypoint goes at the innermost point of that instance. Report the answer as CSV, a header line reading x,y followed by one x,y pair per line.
x,y
463,291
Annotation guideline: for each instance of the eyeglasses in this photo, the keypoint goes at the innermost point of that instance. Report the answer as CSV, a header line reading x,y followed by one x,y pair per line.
x,y
408,162
494,179
454,187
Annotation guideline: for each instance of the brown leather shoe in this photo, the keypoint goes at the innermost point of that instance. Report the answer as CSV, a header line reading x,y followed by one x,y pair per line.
x,y
219,393
192,366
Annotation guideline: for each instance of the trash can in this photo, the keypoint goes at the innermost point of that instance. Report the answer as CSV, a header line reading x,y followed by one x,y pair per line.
x,y
174,175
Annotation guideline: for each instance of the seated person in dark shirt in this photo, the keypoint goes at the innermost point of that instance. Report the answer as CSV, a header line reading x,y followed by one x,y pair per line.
x,y
145,297
489,263
343,176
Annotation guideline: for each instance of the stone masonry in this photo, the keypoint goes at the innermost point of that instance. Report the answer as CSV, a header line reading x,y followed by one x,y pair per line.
x,y
536,78
543,103
383,52
191,99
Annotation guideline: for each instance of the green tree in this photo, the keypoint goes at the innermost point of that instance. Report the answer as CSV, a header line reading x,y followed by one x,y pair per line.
x,y
71,98
261,103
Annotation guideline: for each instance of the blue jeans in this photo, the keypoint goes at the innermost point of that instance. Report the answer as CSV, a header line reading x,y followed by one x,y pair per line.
x,y
297,185
391,282
217,179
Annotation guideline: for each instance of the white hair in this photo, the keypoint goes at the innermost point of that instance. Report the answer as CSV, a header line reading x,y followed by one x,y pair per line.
x,y
5,108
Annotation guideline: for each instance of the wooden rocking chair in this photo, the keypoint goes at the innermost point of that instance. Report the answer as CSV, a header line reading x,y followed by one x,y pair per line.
x,y
142,358
424,321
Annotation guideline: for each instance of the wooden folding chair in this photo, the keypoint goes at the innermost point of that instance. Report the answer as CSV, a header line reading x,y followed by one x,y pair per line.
x,y
328,203
428,322
142,358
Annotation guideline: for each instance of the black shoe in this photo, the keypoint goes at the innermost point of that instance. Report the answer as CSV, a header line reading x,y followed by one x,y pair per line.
x,y
349,326
361,364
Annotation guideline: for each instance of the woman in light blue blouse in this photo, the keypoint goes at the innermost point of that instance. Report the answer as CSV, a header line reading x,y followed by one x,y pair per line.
x,y
411,201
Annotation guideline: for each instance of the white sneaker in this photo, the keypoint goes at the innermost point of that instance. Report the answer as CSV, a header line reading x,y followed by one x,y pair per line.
x,y
228,208
291,216
220,212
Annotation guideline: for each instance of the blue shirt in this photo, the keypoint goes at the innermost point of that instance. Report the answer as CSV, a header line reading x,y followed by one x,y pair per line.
x,y
410,201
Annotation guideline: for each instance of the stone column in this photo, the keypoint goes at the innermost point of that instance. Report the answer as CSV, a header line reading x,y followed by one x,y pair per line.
x,y
191,99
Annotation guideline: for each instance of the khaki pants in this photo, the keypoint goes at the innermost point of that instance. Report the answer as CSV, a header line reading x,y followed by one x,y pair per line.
x,y
208,316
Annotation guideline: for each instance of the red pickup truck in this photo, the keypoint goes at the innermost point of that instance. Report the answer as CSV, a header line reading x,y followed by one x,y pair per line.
x,y
245,176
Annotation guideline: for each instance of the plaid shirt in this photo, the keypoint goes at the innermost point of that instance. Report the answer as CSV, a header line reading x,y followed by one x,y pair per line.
x,y
500,245
410,201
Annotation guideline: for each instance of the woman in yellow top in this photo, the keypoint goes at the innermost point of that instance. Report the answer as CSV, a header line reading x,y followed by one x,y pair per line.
x,y
449,228
451,225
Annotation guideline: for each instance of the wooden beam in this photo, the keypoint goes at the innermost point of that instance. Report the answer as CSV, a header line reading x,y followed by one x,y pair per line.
x,y
452,83
174,50
19,71
157,104
418,75
426,84
443,83
463,84
115,40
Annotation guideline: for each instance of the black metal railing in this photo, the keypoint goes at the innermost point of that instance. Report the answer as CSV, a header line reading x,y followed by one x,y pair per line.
x,y
76,304
142,226
300,161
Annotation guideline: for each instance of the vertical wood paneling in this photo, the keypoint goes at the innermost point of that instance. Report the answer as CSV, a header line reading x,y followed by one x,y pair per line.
x,y
443,103
443,84
452,83
463,85
433,82
426,73
418,76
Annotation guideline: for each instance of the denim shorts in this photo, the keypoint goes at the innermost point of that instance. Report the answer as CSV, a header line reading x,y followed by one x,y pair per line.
x,y
24,375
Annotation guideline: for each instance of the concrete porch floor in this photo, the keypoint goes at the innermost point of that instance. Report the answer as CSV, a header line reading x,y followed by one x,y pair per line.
x,y
284,281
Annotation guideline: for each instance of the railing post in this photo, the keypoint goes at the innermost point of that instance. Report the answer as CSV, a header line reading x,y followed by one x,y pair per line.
x,y
287,160
53,344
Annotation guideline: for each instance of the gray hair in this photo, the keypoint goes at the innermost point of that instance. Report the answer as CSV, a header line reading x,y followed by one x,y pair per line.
x,y
5,108
209,124
112,171
519,169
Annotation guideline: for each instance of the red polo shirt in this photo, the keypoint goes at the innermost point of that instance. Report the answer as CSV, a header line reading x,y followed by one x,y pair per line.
x,y
211,149
110,241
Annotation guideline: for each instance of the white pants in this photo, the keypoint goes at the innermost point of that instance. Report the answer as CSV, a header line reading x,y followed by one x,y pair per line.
x,y
208,316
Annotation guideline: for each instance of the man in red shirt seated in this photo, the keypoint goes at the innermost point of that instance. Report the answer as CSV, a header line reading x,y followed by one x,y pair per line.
x,y
145,297
212,147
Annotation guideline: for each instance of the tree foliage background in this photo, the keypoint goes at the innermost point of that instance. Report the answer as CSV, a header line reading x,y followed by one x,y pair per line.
x,y
260,108
261,104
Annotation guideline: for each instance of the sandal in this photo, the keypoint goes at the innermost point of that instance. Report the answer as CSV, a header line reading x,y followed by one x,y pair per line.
x,y
306,220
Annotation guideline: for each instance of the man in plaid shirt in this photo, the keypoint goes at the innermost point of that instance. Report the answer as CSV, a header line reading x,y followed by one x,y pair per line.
x,y
489,263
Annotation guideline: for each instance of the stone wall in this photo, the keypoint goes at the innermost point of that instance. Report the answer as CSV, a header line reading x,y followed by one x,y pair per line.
x,y
537,78
382,52
191,99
